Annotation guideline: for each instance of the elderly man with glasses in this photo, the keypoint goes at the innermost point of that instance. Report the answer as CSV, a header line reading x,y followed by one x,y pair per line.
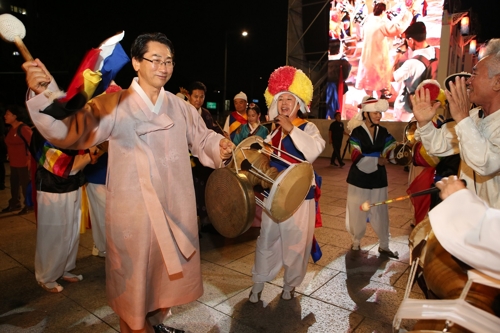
x,y
153,255
477,129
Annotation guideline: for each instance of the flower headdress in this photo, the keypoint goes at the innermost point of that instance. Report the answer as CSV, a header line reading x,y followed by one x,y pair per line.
x,y
288,79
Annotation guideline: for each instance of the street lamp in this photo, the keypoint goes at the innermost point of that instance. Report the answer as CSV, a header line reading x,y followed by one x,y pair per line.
x,y
244,33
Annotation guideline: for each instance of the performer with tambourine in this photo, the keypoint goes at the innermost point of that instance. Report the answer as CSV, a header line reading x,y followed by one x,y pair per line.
x,y
288,243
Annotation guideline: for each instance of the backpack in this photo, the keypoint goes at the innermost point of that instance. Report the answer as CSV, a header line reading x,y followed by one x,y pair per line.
x,y
430,72
431,66
19,134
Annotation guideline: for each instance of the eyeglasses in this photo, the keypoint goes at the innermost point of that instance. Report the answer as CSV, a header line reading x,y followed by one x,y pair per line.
x,y
157,63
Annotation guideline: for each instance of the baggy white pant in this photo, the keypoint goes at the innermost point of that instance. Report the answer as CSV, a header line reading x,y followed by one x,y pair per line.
x,y
57,234
378,215
285,244
96,194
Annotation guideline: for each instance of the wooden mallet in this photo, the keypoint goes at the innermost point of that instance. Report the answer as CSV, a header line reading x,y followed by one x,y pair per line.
x,y
12,30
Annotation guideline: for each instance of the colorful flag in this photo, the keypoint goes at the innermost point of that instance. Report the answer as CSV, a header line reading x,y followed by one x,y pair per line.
x,y
111,60
98,68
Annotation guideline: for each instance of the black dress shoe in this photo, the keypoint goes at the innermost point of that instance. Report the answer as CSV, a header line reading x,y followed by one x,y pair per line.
x,y
165,329
11,209
23,211
26,210
388,253
334,164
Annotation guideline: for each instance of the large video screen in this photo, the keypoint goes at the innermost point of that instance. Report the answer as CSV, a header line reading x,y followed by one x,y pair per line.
x,y
368,37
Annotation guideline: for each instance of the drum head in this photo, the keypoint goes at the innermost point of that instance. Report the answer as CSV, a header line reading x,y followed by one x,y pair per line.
x,y
289,191
403,154
416,240
410,131
234,215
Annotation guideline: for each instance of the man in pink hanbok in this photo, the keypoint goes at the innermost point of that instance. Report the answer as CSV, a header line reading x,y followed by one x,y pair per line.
x,y
152,253
375,67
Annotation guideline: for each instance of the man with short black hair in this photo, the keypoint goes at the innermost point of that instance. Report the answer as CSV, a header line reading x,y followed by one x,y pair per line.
x,y
153,254
196,97
410,74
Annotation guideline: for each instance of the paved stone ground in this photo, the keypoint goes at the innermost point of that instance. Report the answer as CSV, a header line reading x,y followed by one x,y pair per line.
x,y
345,291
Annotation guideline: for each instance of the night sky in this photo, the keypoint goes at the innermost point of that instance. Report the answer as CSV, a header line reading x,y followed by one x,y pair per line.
x,y
64,30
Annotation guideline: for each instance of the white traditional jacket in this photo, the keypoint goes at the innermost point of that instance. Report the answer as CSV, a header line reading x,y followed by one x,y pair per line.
x,y
478,141
468,229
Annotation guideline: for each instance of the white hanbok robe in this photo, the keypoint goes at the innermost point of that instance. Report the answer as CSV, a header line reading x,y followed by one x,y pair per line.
x,y
468,229
152,258
478,140
289,243
375,68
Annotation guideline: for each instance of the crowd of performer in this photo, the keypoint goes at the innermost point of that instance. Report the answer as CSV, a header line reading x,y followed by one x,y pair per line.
x,y
153,138
394,51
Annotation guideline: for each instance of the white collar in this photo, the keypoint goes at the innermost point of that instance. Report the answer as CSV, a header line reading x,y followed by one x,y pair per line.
x,y
159,101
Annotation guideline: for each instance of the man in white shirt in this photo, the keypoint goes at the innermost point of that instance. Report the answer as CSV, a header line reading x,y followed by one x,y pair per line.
x,y
477,130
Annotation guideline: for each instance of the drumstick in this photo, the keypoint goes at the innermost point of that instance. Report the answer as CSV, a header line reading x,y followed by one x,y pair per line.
x,y
365,206
259,147
247,166
12,30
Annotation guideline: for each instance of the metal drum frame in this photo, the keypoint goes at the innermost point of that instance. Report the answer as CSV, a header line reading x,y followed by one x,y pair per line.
x,y
285,194
234,219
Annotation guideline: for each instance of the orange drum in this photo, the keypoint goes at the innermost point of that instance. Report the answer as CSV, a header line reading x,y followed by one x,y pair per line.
x,y
445,279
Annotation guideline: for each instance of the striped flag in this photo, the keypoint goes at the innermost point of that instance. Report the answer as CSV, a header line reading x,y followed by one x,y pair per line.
x,y
98,68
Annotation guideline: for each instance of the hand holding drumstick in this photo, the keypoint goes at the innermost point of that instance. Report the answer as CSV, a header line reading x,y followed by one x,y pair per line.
x,y
37,76
449,185
12,30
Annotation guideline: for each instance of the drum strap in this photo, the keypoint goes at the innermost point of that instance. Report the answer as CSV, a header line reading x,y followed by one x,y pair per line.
x,y
310,194
235,121
285,143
